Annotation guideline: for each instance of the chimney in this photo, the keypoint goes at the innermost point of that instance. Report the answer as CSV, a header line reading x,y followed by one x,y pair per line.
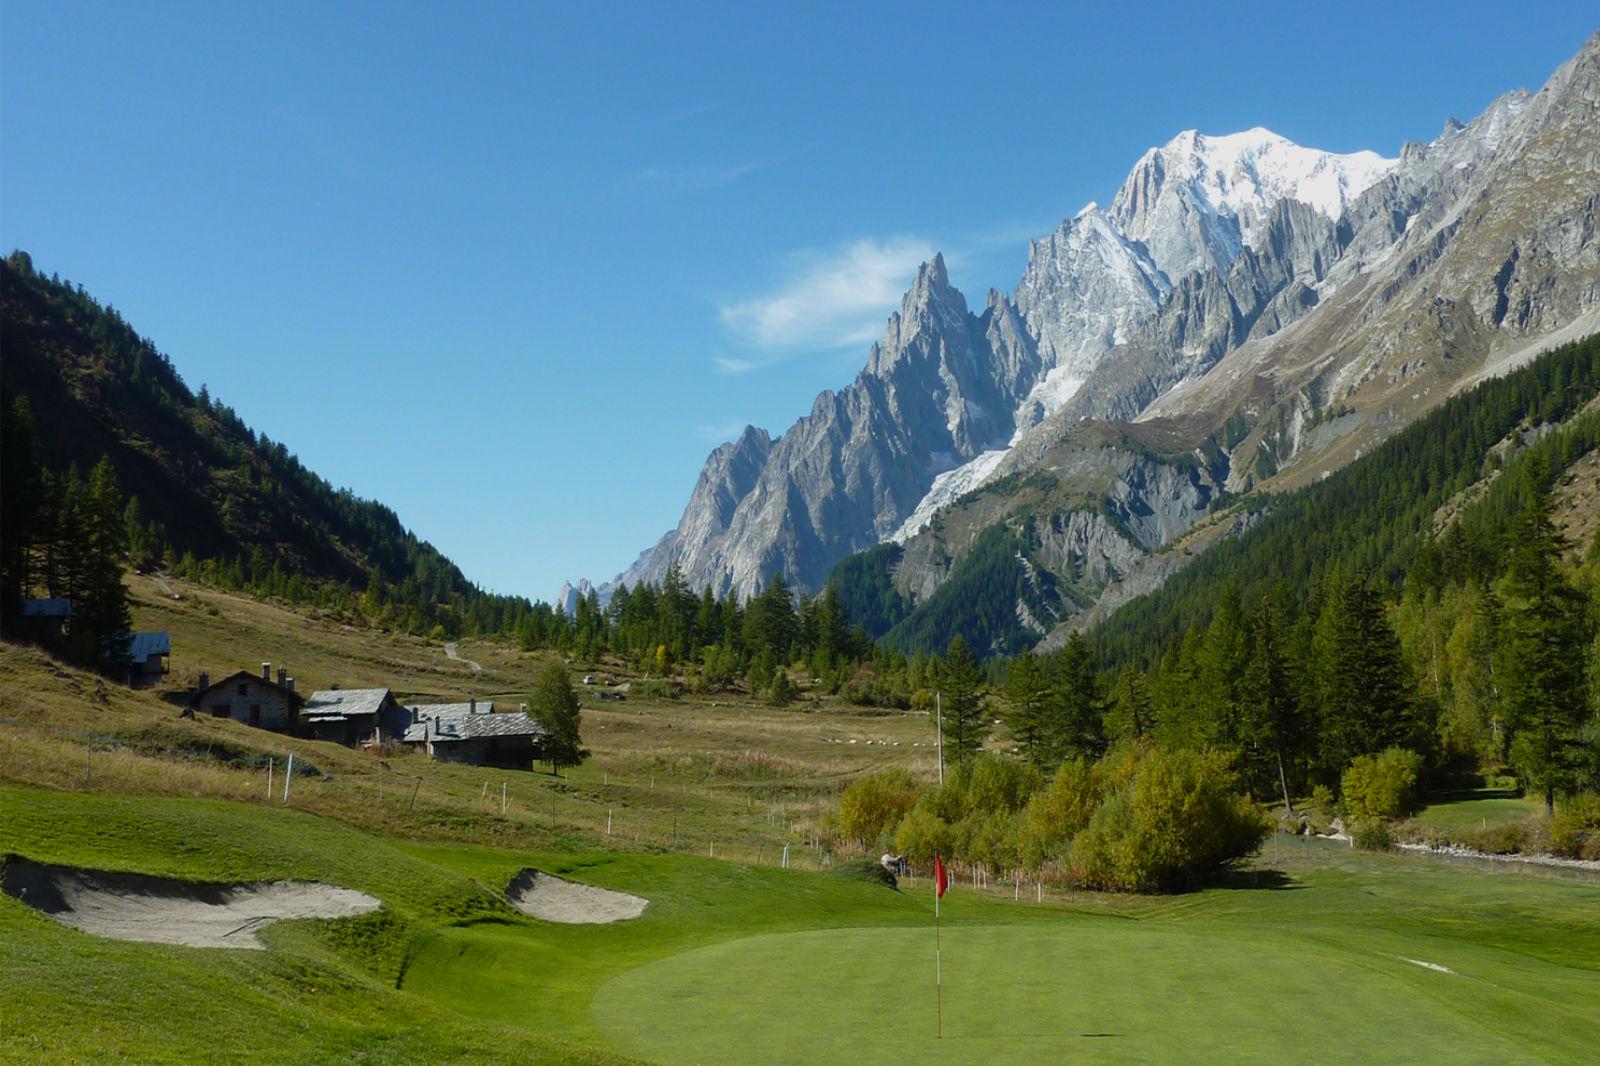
x,y
416,716
472,705
266,671
335,686
282,676
288,683
205,680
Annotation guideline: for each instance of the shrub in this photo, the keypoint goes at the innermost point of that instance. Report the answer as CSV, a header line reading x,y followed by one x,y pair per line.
x,y
665,690
876,804
783,691
870,870
1382,786
1177,815
922,834
1575,831
1372,835
1059,813
1508,838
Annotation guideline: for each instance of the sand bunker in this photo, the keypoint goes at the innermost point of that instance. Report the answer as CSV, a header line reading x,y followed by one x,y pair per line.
x,y
164,911
553,899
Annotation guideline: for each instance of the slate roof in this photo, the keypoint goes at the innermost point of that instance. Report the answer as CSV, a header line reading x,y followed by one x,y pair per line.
x,y
448,728
248,677
332,704
56,607
144,645
431,709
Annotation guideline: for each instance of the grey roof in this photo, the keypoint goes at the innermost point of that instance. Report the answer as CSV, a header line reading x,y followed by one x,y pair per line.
x,y
435,709
335,703
448,728
56,607
144,645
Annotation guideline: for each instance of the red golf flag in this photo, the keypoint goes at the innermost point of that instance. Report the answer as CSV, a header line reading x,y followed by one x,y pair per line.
x,y
941,878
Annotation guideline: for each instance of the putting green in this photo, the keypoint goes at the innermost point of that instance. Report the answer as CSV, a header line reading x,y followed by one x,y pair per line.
x,y
1096,990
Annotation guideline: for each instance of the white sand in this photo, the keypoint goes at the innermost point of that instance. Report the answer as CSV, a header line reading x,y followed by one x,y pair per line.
x,y
163,911
542,895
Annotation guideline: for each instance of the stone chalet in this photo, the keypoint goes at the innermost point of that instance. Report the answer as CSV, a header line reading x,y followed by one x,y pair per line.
x,y
473,733
354,716
257,701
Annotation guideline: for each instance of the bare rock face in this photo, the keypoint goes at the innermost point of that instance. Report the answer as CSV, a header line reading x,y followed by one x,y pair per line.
x,y
940,387
1239,281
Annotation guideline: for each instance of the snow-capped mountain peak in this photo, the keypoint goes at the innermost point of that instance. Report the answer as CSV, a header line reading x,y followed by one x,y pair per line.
x,y
1197,200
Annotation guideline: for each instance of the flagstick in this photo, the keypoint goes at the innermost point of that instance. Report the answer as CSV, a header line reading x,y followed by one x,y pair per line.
x,y
938,976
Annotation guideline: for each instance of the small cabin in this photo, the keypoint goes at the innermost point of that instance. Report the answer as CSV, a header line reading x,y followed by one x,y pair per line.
x,y
148,655
354,716
45,621
258,701
473,733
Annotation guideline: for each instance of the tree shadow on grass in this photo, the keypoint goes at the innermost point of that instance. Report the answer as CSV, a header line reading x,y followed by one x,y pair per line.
x,y
1260,879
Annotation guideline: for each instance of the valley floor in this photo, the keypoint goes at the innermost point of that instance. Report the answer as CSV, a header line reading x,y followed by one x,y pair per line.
x,y
1316,952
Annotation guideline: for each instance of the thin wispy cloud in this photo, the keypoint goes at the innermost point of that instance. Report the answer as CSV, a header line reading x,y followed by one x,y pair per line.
x,y
732,365
721,431
828,300
693,178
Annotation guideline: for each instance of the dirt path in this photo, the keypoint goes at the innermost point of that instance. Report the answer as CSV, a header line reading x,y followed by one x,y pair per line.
x,y
450,653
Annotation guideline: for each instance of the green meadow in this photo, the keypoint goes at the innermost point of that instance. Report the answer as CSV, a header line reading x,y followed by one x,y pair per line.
x,y
1317,953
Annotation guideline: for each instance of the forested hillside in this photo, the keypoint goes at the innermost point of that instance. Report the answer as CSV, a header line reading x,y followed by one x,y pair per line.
x,y
1378,515
210,496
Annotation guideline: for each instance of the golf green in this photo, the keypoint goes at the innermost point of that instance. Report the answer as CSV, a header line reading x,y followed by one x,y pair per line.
x,y
1095,990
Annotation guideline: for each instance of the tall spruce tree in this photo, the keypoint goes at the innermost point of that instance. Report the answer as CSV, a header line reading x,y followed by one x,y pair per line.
x,y
1543,638
1364,702
1269,731
1028,690
962,702
555,706
1077,710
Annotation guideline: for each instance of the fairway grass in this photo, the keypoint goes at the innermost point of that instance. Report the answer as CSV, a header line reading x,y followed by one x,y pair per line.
x,y
1319,961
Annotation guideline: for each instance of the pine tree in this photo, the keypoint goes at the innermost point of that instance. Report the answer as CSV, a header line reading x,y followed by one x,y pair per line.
x,y
1133,713
22,483
1542,650
1029,692
555,706
1267,703
1077,710
962,703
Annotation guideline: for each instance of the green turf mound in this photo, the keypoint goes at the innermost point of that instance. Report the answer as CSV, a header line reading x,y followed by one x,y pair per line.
x,y
868,870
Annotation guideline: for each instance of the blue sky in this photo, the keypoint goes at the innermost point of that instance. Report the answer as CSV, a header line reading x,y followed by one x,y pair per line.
x,y
515,269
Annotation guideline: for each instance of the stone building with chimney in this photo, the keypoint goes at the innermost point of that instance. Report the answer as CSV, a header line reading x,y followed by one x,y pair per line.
x,y
254,700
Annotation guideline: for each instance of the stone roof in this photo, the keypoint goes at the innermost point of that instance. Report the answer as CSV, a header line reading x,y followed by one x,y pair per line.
x,y
431,710
144,645
464,725
336,703
247,677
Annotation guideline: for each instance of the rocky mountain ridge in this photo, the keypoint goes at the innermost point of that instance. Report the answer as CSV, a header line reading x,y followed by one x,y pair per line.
x,y
1241,289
